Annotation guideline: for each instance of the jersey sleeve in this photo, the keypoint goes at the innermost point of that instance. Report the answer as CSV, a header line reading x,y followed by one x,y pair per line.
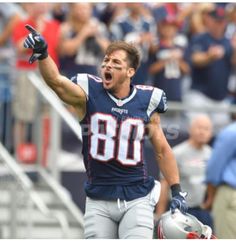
x,y
83,81
158,102
89,83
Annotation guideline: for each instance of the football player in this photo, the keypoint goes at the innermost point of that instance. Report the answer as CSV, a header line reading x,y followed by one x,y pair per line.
x,y
121,197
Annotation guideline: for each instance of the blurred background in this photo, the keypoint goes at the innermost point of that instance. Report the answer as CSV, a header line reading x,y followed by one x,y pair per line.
x,y
187,49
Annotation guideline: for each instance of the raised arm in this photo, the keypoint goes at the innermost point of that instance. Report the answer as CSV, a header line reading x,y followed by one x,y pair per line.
x,y
67,91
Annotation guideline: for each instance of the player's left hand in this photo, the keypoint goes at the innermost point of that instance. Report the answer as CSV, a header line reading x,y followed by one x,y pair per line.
x,y
37,43
178,200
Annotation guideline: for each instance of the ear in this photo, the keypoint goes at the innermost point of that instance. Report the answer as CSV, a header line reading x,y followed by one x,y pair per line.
x,y
131,72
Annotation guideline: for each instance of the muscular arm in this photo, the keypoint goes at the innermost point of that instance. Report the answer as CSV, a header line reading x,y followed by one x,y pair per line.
x,y
66,90
163,152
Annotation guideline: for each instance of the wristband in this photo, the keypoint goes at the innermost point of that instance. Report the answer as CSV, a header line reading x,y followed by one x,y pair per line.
x,y
175,189
43,55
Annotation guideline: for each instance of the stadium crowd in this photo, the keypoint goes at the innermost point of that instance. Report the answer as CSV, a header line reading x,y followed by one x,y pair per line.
x,y
187,49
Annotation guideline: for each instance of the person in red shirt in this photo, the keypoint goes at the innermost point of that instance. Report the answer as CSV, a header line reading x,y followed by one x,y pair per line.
x,y
25,97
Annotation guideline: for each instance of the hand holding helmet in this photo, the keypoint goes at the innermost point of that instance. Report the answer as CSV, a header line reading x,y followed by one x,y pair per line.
x,y
178,200
181,226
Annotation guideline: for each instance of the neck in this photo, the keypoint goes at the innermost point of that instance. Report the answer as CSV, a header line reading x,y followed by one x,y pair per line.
x,y
123,92
195,144
135,16
216,34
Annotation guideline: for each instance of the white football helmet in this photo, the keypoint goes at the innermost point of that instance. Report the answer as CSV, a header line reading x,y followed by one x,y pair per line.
x,y
182,226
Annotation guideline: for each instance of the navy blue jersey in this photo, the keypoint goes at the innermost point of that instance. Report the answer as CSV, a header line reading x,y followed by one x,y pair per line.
x,y
113,135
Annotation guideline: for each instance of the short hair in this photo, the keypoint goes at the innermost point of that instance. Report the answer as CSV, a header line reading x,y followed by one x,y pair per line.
x,y
132,52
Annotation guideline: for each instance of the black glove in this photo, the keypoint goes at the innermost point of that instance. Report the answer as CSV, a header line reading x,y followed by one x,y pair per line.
x,y
36,42
178,199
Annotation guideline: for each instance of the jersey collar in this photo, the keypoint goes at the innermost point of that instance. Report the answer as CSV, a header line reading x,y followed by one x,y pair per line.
x,y
121,102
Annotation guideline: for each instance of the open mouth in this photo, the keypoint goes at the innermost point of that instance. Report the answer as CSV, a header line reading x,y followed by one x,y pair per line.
x,y
108,76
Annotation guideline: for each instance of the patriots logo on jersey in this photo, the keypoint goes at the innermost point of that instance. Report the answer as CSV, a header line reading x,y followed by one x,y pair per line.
x,y
119,110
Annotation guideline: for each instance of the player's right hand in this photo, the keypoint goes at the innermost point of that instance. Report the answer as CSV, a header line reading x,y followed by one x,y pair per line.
x,y
37,43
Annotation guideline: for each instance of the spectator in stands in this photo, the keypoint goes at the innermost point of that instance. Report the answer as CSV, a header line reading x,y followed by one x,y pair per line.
x,y
212,57
25,97
221,179
108,12
197,18
230,33
231,28
136,26
83,40
169,64
192,156
59,11
10,14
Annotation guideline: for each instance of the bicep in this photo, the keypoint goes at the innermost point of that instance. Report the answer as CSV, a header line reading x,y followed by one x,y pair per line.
x,y
70,92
